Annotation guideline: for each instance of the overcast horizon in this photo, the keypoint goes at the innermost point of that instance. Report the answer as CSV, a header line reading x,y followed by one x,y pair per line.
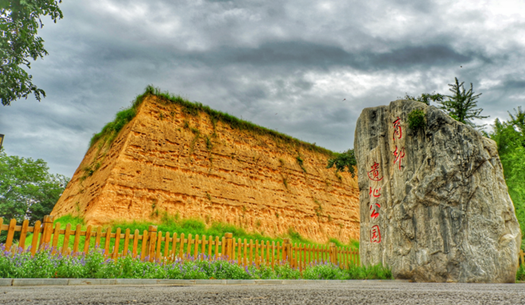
x,y
303,68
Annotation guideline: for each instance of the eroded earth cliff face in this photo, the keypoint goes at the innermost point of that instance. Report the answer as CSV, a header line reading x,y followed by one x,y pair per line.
x,y
167,160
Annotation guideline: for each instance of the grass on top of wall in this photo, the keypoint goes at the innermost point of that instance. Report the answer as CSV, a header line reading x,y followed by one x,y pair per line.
x,y
111,130
174,224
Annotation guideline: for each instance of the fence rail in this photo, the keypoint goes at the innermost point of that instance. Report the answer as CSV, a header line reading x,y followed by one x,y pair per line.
x,y
152,245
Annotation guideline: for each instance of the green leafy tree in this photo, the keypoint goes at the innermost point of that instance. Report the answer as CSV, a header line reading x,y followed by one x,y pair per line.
x,y
19,24
462,104
426,98
342,161
510,138
27,190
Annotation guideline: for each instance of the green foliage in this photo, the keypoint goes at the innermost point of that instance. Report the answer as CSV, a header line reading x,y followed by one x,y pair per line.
x,y
73,220
510,138
300,162
416,119
174,224
27,190
296,237
343,160
111,130
461,105
209,145
520,274
45,264
19,24
426,98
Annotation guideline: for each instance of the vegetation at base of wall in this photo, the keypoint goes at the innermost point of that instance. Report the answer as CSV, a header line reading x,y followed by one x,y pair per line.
x,y
111,130
520,274
416,119
342,161
353,243
174,224
46,264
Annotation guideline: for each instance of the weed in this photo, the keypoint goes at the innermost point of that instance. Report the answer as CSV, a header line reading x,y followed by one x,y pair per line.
x,y
209,145
300,161
296,237
192,144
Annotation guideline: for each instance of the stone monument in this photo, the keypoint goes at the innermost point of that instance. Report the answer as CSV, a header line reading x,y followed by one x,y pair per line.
x,y
434,205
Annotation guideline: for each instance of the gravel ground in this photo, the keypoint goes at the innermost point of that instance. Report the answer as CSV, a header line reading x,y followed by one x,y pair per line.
x,y
350,292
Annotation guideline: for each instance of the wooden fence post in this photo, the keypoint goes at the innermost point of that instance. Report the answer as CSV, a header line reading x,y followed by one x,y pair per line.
x,y
47,231
287,250
229,245
333,253
10,234
152,241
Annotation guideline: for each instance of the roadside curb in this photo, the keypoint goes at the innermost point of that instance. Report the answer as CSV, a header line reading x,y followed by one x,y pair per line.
x,y
106,282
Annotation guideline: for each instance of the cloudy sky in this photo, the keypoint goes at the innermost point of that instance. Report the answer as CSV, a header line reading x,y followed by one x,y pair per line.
x,y
306,68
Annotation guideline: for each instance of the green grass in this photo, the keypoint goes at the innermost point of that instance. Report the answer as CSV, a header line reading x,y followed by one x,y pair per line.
x,y
173,224
111,130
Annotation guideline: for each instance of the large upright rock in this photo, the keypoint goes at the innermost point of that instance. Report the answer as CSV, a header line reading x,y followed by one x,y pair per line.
x,y
434,203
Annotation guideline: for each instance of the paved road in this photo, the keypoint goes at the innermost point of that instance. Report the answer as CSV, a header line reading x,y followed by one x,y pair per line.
x,y
351,292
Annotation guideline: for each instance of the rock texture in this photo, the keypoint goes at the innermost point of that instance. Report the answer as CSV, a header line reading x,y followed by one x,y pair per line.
x,y
434,203
168,161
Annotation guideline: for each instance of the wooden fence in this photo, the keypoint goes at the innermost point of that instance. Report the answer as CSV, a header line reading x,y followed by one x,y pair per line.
x,y
163,246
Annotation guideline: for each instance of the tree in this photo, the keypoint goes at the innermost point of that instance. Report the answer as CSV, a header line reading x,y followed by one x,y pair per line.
x,y
462,104
426,98
19,23
342,160
510,138
27,190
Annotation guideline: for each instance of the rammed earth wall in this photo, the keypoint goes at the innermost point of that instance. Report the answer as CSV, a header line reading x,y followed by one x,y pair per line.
x,y
167,160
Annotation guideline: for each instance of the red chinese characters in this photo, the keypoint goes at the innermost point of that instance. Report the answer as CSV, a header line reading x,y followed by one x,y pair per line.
x,y
398,134
375,235
399,154
375,212
374,192
373,174
398,131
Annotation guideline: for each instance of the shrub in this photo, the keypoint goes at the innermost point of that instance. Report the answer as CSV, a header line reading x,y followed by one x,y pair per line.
x,y
46,264
416,119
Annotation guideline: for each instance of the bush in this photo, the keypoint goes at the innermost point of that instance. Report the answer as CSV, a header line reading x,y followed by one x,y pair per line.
x,y
520,275
416,119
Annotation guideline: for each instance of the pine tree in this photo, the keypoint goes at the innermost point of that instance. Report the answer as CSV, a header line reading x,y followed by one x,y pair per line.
x,y
462,104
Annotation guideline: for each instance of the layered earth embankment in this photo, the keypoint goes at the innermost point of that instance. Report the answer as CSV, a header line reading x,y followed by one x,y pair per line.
x,y
172,160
